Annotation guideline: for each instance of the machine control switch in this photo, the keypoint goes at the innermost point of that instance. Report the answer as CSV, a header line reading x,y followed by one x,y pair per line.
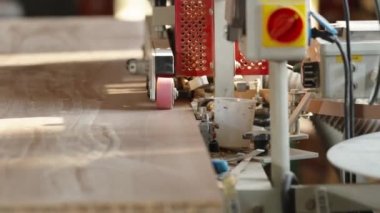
x,y
285,25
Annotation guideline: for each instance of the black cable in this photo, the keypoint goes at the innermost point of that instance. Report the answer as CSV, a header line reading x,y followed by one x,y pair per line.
x,y
349,102
347,87
347,177
350,116
375,90
346,91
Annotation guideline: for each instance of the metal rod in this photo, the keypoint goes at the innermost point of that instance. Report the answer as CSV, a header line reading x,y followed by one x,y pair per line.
x,y
224,54
279,121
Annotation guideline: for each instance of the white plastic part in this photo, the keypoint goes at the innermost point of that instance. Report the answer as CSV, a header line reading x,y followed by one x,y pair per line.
x,y
198,82
234,118
279,123
224,54
365,60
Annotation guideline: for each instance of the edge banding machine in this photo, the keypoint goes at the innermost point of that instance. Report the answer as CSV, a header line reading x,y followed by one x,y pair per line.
x,y
204,44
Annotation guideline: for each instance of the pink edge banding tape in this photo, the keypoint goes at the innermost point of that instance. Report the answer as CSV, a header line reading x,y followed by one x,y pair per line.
x,y
165,88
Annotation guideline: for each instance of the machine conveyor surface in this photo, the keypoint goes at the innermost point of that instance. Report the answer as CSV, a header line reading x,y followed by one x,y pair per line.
x,y
83,136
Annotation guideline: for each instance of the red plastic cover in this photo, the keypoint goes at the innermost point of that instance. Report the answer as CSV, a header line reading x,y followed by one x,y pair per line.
x,y
246,67
194,37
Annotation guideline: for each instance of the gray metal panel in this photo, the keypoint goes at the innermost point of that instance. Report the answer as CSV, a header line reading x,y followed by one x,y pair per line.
x,y
365,61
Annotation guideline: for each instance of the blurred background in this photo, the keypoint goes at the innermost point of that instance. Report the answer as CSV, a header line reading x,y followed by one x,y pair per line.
x,y
311,171
124,9
136,9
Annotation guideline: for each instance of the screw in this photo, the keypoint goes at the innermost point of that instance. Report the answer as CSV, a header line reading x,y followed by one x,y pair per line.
x,y
353,67
355,85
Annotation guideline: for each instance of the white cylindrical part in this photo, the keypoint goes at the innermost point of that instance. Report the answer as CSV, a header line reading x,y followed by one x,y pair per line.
x,y
234,118
224,54
279,121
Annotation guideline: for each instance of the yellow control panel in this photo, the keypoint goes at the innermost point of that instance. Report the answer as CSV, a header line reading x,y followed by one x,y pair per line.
x,y
277,29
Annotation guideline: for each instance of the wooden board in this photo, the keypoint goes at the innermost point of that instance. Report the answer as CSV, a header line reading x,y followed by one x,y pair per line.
x,y
39,41
336,108
83,137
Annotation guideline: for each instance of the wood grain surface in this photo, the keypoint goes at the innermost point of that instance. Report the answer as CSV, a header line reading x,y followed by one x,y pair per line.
x,y
40,41
84,137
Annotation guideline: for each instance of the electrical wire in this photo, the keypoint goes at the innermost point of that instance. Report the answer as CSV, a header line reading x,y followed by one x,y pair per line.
x,y
375,90
346,77
349,97
328,36
349,100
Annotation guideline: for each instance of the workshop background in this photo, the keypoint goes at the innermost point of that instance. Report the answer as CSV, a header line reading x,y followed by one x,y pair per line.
x,y
310,171
331,9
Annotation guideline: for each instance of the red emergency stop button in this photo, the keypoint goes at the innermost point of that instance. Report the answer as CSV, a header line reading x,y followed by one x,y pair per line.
x,y
285,25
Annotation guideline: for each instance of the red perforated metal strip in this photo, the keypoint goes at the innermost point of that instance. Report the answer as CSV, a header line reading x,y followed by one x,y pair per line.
x,y
247,67
194,35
